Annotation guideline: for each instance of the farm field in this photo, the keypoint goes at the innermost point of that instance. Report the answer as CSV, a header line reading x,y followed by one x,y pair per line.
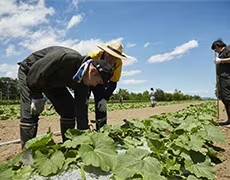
x,y
9,131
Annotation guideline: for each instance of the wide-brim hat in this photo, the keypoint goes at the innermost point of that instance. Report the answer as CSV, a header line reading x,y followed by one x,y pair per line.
x,y
114,48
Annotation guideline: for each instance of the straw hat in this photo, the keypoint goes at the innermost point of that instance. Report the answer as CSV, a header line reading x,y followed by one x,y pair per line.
x,y
115,48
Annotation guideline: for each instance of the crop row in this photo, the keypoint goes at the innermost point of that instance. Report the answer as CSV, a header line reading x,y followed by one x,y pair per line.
x,y
167,146
12,112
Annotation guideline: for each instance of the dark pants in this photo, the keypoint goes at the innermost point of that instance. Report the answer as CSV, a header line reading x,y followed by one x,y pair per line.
x,y
61,99
227,107
98,92
225,93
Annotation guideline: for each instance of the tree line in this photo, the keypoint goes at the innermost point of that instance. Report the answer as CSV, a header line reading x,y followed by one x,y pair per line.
x,y
9,90
160,95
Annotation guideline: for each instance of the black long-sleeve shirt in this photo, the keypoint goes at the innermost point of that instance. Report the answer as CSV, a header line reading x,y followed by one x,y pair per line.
x,y
54,67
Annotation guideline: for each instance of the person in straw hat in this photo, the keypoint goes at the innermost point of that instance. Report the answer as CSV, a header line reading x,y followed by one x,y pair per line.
x,y
113,54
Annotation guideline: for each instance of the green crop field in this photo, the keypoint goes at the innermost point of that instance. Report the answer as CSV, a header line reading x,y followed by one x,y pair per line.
x,y
12,111
167,146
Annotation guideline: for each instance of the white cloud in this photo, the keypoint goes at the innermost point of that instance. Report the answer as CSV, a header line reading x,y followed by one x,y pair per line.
x,y
29,20
131,60
130,73
10,51
146,44
176,53
132,81
120,39
17,19
9,70
74,3
46,37
85,47
129,45
74,21
190,92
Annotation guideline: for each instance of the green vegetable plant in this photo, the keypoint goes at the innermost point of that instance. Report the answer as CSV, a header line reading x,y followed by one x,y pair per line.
x,y
167,146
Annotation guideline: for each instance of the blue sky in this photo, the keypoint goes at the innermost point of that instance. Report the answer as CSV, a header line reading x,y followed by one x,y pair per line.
x,y
168,42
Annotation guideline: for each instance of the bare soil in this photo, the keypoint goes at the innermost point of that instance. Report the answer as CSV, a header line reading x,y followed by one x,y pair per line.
x,y
9,130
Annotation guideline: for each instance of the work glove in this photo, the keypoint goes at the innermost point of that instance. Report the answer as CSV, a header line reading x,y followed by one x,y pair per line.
x,y
102,105
217,60
37,106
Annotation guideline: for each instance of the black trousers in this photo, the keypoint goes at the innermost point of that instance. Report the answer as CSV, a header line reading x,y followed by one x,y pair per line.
x,y
98,92
224,85
61,99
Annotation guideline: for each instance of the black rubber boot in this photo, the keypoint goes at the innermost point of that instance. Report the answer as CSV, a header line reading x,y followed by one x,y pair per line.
x,y
27,132
227,122
100,123
66,123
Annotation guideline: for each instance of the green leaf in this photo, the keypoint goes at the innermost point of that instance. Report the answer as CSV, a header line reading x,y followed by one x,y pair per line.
x,y
157,145
132,142
182,141
137,123
23,173
137,161
72,133
196,142
5,171
76,140
47,165
187,125
15,160
191,177
71,157
163,125
38,142
150,176
214,134
204,169
101,152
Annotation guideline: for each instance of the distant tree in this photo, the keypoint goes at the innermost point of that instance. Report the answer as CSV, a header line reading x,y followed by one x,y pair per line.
x,y
177,95
9,88
159,95
168,97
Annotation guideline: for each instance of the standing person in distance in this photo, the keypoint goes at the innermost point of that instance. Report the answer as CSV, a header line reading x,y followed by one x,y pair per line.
x,y
223,74
152,97
121,99
113,54
50,71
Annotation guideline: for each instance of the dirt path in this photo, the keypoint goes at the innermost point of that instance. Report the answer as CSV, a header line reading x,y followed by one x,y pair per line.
x,y
222,170
10,131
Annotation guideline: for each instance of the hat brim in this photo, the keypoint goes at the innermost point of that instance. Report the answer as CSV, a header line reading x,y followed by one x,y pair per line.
x,y
105,48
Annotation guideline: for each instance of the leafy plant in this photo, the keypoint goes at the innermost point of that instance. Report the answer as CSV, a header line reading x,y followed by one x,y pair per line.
x,y
167,146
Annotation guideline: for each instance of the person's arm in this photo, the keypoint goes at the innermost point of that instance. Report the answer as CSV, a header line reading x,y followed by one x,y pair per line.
x,y
225,60
110,87
112,84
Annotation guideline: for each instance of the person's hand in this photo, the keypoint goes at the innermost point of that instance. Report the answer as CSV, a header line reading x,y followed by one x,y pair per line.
x,y
217,60
37,106
102,105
